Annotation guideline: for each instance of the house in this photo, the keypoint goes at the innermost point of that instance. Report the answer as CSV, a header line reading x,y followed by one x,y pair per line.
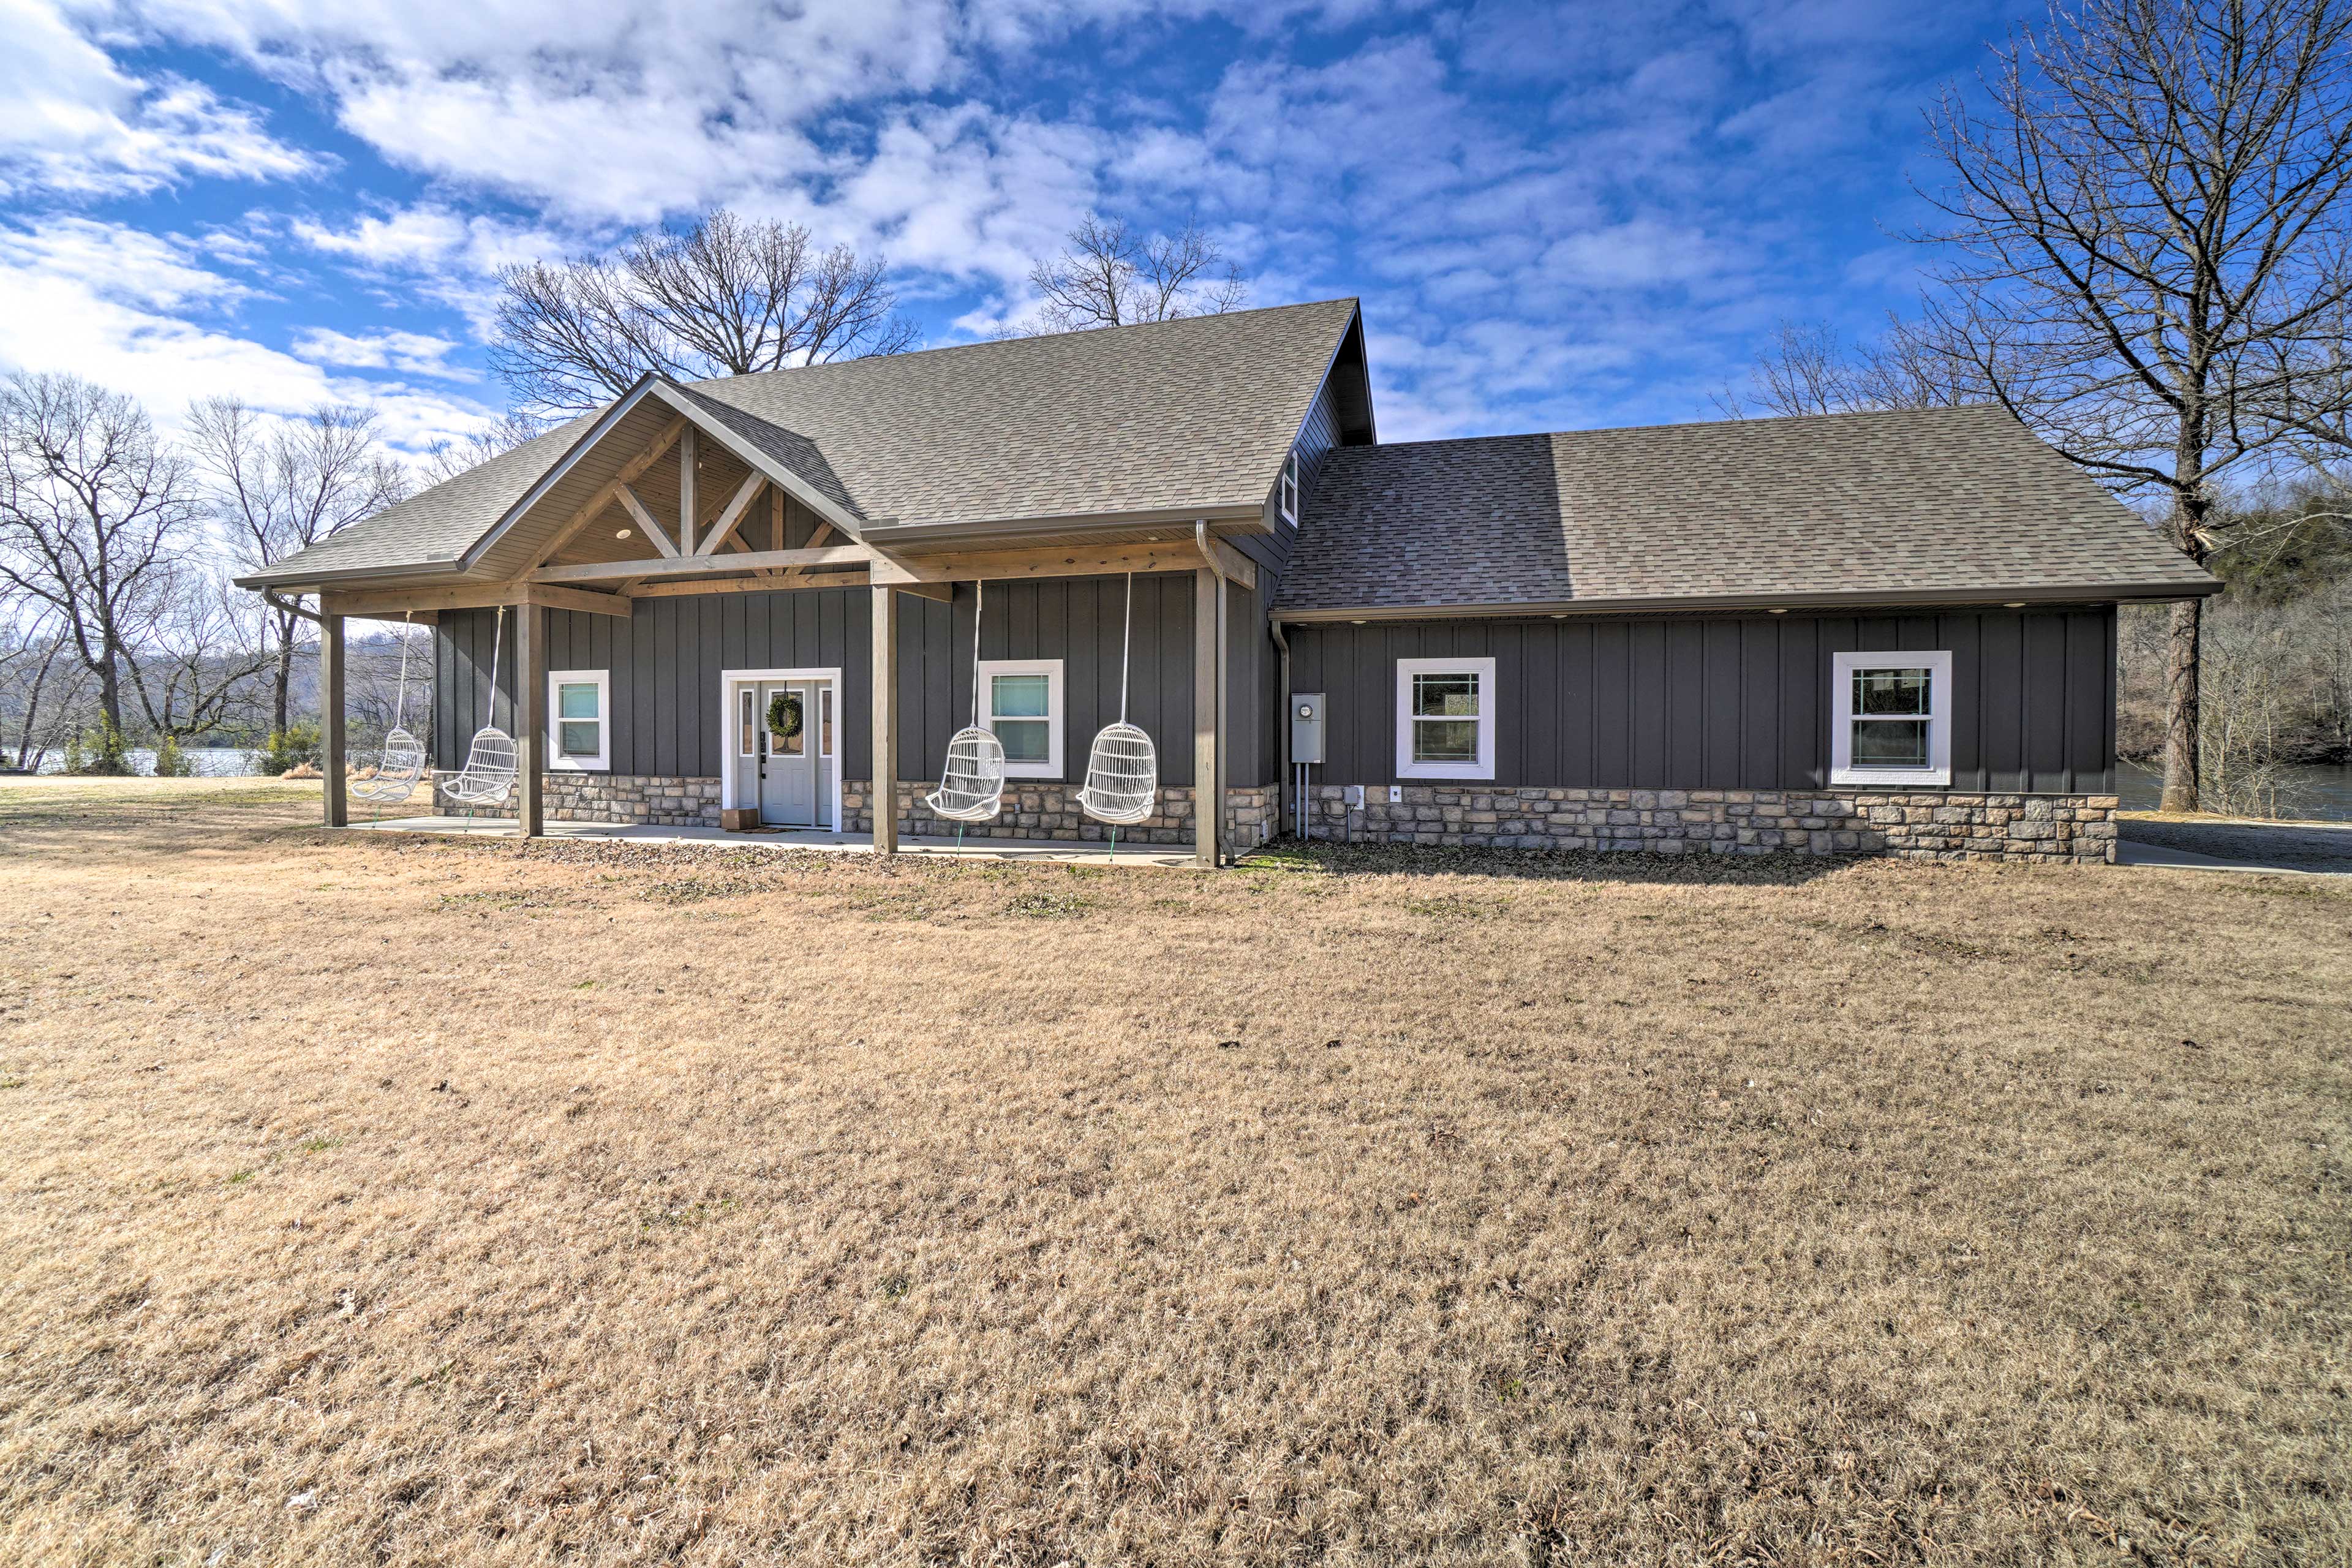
x,y
1881,632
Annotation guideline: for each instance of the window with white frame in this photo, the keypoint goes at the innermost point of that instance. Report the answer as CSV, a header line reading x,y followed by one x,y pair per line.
x,y
1445,718
1892,720
1287,496
579,720
1021,702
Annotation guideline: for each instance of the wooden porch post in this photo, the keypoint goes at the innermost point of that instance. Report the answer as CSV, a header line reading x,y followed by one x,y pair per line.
x,y
1208,715
331,749
531,719
884,793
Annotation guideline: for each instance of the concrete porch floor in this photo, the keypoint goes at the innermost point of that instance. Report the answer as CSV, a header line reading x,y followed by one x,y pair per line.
x,y
1047,850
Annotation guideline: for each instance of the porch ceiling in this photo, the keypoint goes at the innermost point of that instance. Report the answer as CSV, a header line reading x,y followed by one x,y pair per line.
x,y
593,470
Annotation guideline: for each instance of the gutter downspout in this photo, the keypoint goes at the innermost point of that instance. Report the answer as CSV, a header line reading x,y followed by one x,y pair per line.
x,y
1212,792
1282,729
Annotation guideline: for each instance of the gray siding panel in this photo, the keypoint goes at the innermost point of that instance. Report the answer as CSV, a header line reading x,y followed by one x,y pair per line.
x,y
1687,702
666,662
1730,702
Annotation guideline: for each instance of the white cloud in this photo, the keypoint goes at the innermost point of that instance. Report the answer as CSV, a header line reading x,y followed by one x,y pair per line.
x,y
1645,253
1555,213
603,111
418,353
124,309
73,122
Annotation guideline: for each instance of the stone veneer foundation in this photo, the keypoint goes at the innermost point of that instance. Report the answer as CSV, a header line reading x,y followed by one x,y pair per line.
x,y
648,799
1917,824
1039,809
1032,810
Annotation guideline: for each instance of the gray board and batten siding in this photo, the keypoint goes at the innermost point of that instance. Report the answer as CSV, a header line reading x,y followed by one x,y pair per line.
x,y
664,661
1728,702
1339,416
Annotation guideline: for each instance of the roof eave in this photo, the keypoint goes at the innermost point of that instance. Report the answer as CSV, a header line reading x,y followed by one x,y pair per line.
x,y
984,530
2071,594
281,578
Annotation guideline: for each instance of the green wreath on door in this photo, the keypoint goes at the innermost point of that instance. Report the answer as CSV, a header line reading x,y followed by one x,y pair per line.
x,y
784,715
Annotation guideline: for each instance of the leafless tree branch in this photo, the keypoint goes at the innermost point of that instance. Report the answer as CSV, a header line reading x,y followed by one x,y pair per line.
x,y
1107,276
277,487
2148,257
729,296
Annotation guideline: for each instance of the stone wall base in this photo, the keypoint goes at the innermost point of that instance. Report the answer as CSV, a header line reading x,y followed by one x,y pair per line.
x,y
1032,810
1040,809
1919,824
646,799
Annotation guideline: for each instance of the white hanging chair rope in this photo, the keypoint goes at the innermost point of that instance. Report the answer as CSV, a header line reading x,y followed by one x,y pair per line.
x,y
1122,785
488,775
971,789
403,762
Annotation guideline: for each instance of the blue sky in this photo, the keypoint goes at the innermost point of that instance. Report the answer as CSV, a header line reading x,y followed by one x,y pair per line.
x,y
1556,216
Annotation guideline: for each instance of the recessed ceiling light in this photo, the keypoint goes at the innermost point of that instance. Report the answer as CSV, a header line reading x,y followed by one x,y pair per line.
x,y
1779,612
1355,623
622,533
2014,605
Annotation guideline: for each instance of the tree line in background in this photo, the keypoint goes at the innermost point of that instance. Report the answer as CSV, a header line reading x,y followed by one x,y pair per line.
x,y
2145,253
120,627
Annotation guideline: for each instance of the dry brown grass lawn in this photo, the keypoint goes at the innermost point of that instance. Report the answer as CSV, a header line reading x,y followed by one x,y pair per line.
x,y
419,1201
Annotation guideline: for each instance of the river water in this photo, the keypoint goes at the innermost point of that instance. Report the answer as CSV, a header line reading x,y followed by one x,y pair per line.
x,y
206,761
2320,793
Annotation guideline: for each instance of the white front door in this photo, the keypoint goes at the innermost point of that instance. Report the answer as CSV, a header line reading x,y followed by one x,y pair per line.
x,y
795,752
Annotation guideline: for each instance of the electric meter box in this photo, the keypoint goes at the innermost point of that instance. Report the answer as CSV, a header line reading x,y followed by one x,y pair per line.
x,y
1307,727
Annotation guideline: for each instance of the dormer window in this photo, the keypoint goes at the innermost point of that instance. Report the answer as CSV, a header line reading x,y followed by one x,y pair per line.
x,y
1286,499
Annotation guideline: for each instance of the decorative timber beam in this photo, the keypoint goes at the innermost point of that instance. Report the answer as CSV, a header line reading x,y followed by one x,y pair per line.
x,y
689,565
731,517
943,591
647,455
648,524
388,604
1086,561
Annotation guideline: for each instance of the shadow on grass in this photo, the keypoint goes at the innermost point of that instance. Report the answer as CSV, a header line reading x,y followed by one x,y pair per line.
x,y
1699,867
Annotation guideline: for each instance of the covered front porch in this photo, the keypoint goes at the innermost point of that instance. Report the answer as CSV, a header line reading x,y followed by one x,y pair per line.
x,y
730,528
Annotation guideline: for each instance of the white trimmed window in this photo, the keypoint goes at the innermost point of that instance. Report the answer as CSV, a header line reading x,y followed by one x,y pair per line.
x,y
1286,496
1445,718
1892,718
1021,702
580,719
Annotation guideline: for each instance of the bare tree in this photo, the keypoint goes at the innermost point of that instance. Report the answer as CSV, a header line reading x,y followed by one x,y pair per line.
x,y
1810,369
194,656
2150,245
94,514
1107,276
278,486
446,459
379,696
30,648
727,297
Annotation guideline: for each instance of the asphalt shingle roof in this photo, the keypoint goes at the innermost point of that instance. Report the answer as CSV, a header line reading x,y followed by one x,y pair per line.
x,y
1195,412
1958,500
1192,412
433,525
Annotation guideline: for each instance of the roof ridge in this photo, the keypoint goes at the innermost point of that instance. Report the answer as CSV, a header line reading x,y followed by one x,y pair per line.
x,y
1125,327
1938,411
